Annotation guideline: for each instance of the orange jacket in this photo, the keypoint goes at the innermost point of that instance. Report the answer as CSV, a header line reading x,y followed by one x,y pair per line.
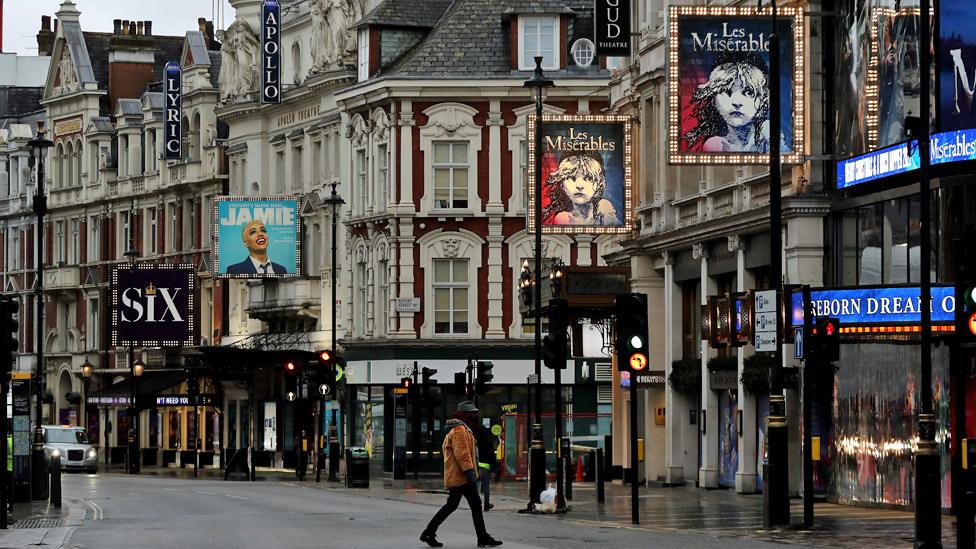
x,y
460,454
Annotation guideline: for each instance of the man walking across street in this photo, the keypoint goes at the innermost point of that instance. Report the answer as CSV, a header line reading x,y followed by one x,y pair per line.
x,y
460,476
486,462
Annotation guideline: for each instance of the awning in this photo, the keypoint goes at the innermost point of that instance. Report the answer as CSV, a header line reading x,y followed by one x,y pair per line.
x,y
148,385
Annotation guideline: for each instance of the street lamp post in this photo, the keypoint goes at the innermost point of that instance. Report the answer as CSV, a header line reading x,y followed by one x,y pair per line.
x,y
135,366
38,464
537,457
86,372
335,201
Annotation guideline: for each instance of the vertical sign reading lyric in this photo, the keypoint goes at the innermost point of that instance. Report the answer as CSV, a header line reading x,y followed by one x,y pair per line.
x,y
270,52
611,33
174,110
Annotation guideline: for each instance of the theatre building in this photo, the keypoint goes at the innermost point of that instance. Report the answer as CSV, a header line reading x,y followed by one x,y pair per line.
x,y
419,115
112,200
851,231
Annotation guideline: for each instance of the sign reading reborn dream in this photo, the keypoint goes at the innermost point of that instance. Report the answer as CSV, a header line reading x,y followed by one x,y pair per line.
x,y
270,52
256,237
153,305
586,174
718,85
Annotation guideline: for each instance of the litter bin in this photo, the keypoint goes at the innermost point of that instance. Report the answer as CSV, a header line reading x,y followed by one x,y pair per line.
x,y
357,467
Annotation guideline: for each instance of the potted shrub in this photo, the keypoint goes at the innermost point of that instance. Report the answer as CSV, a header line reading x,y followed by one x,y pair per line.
x,y
685,376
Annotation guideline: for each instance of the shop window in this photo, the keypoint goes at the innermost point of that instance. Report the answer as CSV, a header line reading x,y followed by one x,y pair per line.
x,y
896,241
870,240
847,244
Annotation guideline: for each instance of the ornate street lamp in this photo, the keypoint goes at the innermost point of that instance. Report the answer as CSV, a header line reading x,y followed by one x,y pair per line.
x,y
38,146
335,201
539,83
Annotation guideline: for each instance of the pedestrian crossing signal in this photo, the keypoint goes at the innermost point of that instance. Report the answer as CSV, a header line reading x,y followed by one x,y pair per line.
x,y
632,332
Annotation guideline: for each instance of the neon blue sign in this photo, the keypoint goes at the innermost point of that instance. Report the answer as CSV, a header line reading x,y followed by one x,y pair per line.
x,y
872,306
946,147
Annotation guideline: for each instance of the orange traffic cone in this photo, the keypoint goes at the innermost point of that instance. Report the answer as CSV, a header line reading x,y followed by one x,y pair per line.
x,y
579,469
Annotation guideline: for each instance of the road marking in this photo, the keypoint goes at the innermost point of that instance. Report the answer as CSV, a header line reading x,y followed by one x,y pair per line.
x,y
208,493
235,497
97,513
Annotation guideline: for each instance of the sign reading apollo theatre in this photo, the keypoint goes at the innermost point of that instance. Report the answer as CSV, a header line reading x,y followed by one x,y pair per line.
x,y
153,305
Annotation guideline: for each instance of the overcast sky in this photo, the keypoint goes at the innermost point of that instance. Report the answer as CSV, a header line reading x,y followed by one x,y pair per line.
x,y
22,18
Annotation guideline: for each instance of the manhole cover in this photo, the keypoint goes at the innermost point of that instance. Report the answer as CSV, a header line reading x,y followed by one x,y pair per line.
x,y
38,523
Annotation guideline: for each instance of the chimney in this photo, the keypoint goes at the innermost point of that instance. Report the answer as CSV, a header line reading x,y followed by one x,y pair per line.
x,y
210,35
116,26
132,27
148,28
55,25
139,28
125,26
45,38
202,24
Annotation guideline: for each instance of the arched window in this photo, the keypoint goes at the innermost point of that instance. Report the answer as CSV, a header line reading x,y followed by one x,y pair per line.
x,y
296,61
360,319
381,294
58,172
450,261
195,150
76,157
185,139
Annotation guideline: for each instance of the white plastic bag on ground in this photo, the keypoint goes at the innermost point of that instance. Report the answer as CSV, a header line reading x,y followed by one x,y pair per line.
x,y
548,500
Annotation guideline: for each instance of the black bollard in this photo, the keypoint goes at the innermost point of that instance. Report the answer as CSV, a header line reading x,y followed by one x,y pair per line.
x,y
56,482
600,494
569,477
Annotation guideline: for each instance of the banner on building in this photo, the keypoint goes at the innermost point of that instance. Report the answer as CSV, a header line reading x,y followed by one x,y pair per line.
x,y
153,305
956,81
611,32
270,52
718,84
173,123
256,237
586,174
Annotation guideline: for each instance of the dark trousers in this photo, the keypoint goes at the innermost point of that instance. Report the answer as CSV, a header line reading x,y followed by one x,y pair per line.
x,y
470,493
484,483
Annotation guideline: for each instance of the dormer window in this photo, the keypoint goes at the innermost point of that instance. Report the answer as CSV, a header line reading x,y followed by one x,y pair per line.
x,y
363,55
538,35
583,52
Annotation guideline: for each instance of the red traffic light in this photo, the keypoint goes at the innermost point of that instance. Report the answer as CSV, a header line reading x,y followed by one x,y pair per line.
x,y
291,367
830,329
325,356
405,382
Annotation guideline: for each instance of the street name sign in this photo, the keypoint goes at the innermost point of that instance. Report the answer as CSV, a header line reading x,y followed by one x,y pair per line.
x,y
765,321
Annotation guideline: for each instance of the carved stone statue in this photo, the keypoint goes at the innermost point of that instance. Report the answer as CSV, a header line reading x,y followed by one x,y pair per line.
x,y
67,81
239,62
333,41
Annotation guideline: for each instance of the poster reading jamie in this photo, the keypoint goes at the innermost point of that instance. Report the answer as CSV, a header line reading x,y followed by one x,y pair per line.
x,y
585,174
256,237
719,85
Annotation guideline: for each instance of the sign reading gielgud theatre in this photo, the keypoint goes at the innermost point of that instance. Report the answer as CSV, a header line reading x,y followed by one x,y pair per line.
x,y
153,305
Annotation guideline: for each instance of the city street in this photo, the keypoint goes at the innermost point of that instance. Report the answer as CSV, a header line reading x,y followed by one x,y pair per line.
x,y
185,512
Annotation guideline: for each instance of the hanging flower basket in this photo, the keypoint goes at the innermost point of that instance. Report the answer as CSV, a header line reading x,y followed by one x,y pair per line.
x,y
755,373
685,376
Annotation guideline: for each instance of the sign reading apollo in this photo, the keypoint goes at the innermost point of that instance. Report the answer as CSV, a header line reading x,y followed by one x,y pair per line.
x,y
153,305
271,51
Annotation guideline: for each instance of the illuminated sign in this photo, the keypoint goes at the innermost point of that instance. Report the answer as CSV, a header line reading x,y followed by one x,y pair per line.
x,y
612,27
153,305
877,307
271,52
945,147
586,174
718,84
173,76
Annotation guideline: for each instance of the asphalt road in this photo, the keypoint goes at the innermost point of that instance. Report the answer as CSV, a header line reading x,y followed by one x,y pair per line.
x,y
148,512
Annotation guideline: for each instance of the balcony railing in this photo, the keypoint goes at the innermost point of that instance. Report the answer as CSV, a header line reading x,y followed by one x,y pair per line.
x,y
62,277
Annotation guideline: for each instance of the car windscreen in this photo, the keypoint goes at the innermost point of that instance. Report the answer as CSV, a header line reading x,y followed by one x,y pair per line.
x,y
66,436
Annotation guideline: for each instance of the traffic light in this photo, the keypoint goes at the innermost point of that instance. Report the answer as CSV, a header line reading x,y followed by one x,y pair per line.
x,y
427,376
8,335
556,342
483,376
632,333
406,382
326,378
461,383
292,369
825,341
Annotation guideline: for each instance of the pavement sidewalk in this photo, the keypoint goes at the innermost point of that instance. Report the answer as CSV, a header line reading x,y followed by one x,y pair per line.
x,y
38,523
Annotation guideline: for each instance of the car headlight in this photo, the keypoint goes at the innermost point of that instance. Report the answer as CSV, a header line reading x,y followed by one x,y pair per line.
x,y
92,453
55,453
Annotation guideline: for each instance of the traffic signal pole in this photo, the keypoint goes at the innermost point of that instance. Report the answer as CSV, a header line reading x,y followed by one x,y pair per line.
x,y
415,403
776,495
808,363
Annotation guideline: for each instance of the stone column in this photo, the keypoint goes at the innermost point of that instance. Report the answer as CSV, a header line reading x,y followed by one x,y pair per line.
x,y
495,122
496,293
676,405
405,243
708,472
584,247
745,476
406,123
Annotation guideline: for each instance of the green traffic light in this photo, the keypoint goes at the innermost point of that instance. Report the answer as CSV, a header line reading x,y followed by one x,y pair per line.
x,y
971,296
636,342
